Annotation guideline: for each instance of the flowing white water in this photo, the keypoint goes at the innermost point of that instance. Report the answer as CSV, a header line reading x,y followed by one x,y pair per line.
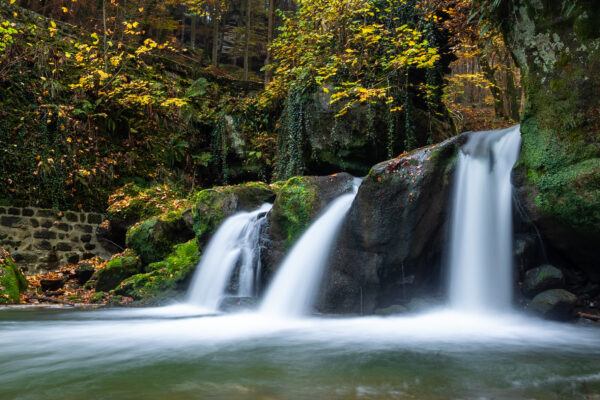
x,y
481,235
294,287
235,243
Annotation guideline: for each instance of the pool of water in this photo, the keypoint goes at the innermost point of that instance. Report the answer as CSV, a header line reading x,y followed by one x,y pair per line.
x,y
182,353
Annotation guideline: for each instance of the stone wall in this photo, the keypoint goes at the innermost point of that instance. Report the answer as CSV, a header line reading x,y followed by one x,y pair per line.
x,y
42,239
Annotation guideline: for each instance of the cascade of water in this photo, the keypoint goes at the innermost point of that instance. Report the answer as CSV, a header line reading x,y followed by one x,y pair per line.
x,y
236,243
294,287
481,233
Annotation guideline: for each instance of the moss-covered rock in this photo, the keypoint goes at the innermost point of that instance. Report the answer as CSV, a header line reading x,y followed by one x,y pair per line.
x,y
542,278
557,46
12,281
120,267
299,201
212,206
295,207
390,248
131,203
555,304
154,238
164,279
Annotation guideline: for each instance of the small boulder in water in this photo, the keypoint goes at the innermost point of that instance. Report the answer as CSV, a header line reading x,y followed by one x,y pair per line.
x,y
555,304
542,278
391,310
232,304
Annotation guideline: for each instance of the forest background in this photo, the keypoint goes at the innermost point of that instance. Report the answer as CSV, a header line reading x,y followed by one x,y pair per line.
x,y
189,94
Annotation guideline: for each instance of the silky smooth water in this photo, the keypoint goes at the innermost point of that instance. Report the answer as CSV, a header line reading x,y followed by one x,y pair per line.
x,y
481,235
298,279
176,353
235,244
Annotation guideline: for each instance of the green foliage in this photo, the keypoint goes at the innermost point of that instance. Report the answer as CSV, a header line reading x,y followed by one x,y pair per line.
x,y
79,118
131,203
12,281
357,49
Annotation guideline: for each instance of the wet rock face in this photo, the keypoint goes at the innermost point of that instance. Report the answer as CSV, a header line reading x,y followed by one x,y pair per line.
x,y
555,44
299,202
391,245
557,304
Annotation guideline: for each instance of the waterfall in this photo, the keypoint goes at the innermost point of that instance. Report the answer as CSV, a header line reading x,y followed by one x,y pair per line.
x,y
235,244
481,233
295,285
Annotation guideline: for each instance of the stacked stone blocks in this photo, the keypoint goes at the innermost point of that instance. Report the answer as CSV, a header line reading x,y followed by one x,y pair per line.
x,y
43,239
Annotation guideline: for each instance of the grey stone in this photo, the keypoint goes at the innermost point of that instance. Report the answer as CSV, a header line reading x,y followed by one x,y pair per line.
x,y
44,245
28,212
44,234
47,224
9,221
34,222
542,278
86,238
84,228
62,246
89,246
14,211
63,227
2,210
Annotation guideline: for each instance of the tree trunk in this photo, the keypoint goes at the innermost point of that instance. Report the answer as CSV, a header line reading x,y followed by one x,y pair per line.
x,y
247,44
215,33
513,95
489,73
270,31
193,32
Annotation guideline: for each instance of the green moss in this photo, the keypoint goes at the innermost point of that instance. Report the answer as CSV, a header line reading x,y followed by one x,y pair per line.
x,y
97,297
212,206
154,238
12,281
295,204
565,170
120,267
164,279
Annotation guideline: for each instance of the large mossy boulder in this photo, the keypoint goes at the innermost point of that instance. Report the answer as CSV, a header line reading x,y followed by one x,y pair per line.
x,y
120,267
154,238
212,206
299,202
542,278
390,247
557,304
165,279
12,280
556,44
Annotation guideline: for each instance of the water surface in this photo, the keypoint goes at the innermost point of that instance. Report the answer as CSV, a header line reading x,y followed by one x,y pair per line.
x,y
181,353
